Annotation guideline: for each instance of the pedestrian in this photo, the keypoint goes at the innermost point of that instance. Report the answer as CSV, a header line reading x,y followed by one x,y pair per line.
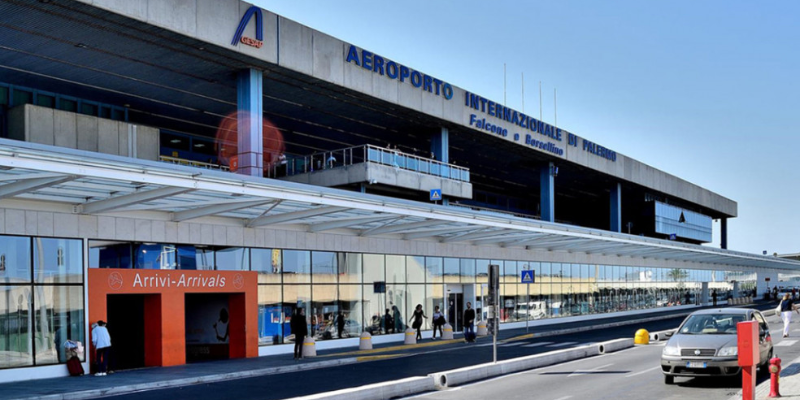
x,y
300,329
714,297
469,321
775,292
786,307
388,322
340,324
438,322
398,319
102,343
686,298
417,317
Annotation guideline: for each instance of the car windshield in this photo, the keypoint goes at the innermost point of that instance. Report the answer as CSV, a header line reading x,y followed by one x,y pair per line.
x,y
711,324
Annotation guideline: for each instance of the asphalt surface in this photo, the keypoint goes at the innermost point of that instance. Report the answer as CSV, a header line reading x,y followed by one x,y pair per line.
x,y
381,369
629,374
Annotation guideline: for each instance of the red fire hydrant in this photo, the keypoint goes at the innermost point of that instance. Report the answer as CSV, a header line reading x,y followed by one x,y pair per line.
x,y
774,376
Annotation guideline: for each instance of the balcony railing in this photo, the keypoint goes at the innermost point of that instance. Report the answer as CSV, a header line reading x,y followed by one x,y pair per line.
x,y
368,154
198,164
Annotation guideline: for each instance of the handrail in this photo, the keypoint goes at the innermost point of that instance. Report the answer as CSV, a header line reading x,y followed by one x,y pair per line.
x,y
199,164
368,154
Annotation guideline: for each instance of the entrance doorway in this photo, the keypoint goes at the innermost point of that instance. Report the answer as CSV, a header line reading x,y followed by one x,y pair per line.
x,y
455,309
126,326
208,327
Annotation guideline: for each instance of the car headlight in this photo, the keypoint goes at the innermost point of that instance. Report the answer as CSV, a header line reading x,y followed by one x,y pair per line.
x,y
728,351
671,351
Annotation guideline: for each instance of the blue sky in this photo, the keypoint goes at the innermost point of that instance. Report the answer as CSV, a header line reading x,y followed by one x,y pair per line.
x,y
704,90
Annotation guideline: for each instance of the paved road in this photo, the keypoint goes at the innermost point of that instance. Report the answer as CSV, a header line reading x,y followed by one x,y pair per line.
x,y
629,374
315,381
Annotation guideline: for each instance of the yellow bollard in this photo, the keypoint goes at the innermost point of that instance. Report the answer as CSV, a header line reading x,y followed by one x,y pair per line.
x,y
642,337
447,331
411,336
309,347
482,329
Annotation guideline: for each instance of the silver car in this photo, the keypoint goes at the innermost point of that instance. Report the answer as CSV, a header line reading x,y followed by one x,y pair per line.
x,y
705,344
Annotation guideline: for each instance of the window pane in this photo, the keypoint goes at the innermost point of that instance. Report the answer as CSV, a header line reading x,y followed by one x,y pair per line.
x,y
452,270
415,270
3,95
15,259
104,254
350,307
57,260
88,109
350,269
16,321
467,270
105,112
22,97
324,266
233,259
433,269
323,312
396,299
294,297
68,105
46,101
267,262
118,115
373,268
416,296
395,269
297,267
270,315
59,317
375,310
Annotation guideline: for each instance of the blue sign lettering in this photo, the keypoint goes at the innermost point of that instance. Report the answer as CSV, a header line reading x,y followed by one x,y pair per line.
x,y
392,70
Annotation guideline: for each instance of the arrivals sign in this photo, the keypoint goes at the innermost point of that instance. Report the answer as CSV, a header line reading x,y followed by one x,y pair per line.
x,y
121,281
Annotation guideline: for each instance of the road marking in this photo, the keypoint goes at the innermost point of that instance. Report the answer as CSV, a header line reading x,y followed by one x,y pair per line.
x,y
588,371
563,344
641,372
564,398
511,344
786,343
537,344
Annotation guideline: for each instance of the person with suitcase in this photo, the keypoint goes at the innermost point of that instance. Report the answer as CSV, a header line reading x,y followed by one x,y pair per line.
x,y
469,323
71,351
102,343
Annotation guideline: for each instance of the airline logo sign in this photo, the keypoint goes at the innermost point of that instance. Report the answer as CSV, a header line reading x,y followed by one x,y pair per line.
x,y
239,37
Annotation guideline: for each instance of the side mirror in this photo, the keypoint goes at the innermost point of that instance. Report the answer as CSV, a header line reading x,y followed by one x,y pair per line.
x,y
669,334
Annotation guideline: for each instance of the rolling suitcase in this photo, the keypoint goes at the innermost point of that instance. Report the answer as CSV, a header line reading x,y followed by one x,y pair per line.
x,y
74,366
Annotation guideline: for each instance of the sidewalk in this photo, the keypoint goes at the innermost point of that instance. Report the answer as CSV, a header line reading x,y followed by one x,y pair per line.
x,y
167,377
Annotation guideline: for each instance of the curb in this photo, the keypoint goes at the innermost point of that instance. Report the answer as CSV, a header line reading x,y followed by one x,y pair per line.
x,y
126,389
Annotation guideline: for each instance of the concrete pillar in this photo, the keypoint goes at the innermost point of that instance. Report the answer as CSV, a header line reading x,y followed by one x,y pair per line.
x,y
547,193
723,235
250,122
616,208
440,146
704,294
735,289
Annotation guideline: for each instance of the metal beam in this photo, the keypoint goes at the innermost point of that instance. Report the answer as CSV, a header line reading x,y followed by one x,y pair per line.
x,y
345,222
568,246
437,232
130,199
539,244
31,184
475,235
292,216
401,227
506,238
216,209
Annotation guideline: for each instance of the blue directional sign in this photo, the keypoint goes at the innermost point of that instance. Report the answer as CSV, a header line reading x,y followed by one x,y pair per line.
x,y
673,236
528,277
436,194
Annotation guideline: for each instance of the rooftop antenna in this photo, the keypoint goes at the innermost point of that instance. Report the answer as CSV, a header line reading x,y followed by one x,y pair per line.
x,y
523,92
555,107
540,100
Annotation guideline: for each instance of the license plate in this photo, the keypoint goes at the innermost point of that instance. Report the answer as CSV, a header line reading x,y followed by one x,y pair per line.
x,y
695,364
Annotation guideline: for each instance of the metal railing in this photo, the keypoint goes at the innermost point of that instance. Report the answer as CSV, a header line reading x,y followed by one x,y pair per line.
x,y
367,154
198,164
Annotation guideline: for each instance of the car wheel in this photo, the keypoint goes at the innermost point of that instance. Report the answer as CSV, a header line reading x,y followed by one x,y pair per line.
x,y
669,379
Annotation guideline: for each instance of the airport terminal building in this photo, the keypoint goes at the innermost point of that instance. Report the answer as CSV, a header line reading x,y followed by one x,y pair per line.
x,y
194,171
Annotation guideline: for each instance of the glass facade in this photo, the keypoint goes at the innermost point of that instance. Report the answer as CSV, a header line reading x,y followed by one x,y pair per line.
x,y
41,299
360,289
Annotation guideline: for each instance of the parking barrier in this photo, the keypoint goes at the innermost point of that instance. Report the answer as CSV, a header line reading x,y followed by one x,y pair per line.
x,y
366,341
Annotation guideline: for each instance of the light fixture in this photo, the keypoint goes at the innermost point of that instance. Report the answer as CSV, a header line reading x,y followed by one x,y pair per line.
x,y
199,145
175,141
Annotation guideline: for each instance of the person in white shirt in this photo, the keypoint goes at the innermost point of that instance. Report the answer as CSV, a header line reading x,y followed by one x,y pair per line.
x,y
102,343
